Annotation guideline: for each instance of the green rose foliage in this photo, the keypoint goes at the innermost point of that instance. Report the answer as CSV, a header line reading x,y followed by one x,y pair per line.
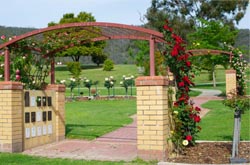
x,y
185,116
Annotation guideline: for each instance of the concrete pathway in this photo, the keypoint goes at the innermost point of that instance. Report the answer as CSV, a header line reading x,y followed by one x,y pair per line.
x,y
205,96
115,146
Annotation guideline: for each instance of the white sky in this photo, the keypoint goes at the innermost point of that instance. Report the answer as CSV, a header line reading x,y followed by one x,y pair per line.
x,y
38,13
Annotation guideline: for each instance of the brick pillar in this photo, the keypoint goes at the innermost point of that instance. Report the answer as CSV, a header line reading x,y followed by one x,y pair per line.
x,y
11,116
152,117
59,105
231,85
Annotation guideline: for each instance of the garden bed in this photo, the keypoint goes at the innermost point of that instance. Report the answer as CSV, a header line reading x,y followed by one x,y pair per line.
x,y
84,98
212,153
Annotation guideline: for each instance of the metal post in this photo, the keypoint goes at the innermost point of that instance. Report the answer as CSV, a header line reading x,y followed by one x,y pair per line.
x,y
236,138
7,64
52,71
152,56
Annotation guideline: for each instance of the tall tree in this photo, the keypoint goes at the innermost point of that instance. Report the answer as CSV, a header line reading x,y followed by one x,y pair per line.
x,y
212,35
184,15
76,40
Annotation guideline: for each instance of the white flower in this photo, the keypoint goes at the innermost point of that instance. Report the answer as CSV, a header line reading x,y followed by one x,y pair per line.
x,y
72,79
185,142
10,39
106,79
62,81
123,76
87,81
24,57
111,77
1,75
132,77
2,65
34,82
111,82
121,82
176,112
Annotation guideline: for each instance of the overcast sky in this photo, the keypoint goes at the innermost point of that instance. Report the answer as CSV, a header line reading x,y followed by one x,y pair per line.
x,y
38,13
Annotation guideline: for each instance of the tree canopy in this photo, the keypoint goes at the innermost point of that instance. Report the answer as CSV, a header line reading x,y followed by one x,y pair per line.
x,y
185,15
77,40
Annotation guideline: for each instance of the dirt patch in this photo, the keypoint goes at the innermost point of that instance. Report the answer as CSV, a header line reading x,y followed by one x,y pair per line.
x,y
212,153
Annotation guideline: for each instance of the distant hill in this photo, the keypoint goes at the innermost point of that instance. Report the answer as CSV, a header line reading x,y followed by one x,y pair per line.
x,y
118,49
13,31
243,42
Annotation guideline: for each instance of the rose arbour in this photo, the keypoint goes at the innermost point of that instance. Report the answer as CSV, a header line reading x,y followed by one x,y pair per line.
x,y
185,116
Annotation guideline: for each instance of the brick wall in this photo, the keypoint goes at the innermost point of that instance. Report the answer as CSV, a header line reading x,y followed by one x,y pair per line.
x,y
152,117
230,82
11,117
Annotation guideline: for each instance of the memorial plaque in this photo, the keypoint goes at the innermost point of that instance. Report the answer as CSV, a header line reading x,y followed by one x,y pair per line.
x,y
33,116
32,101
44,101
39,131
50,129
44,115
27,132
33,131
38,101
27,99
44,130
27,117
39,116
49,101
49,115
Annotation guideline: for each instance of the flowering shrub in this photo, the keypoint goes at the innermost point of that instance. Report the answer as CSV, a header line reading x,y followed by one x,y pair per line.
x,y
126,82
185,116
72,84
239,64
87,83
27,65
109,83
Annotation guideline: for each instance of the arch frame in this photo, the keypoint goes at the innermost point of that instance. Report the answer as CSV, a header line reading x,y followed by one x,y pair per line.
x,y
108,31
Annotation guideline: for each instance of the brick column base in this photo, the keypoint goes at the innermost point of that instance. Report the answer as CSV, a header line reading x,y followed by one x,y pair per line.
x,y
231,84
152,117
60,109
11,116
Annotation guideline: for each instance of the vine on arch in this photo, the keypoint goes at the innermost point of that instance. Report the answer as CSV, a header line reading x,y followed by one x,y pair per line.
x,y
185,115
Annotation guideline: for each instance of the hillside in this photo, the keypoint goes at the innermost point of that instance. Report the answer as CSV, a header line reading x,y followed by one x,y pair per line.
x,y
118,49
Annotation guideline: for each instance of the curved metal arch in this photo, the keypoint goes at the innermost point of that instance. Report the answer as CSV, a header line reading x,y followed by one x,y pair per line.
x,y
200,52
148,32
112,30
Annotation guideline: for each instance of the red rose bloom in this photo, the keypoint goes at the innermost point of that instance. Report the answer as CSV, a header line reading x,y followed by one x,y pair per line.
x,y
174,51
188,63
166,27
197,109
181,84
189,137
197,119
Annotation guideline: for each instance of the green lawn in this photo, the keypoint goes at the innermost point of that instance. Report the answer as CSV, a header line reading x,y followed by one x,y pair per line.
x,y
95,73
218,124
20,159
91,119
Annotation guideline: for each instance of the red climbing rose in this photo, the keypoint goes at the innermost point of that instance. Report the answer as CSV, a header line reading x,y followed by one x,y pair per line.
x,y
189,137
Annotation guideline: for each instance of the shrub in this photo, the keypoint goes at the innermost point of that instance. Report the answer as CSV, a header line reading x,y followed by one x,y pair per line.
x,y
108,65
74,68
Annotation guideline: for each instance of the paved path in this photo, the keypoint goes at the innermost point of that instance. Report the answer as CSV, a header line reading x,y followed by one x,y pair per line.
x,y
205,96
115,146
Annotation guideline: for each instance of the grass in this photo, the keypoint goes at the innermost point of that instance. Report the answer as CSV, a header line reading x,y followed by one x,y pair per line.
x,y
16,159
92,119
95,73
218,124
